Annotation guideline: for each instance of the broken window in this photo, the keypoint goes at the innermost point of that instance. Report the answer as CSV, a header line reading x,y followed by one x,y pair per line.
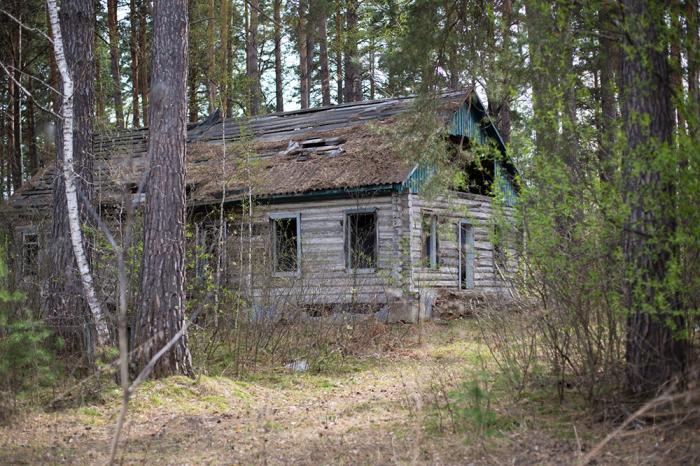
x,y
500,259
361,240
30,253
429,237
286,243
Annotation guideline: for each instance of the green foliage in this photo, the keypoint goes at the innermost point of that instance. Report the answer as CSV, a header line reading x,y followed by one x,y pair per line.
x,y
26,359
466,408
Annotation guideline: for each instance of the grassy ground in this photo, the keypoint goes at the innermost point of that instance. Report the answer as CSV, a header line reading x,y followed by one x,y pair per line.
x,y
433,400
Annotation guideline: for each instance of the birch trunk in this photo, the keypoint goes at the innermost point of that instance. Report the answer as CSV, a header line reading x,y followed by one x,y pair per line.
x,y
68,171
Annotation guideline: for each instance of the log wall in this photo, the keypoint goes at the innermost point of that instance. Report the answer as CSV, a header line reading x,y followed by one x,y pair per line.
x,y
479,212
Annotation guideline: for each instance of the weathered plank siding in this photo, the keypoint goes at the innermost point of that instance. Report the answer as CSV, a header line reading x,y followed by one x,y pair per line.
x,y
479,212
324,277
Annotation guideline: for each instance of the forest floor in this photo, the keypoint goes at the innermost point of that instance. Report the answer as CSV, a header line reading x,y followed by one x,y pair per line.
x,y
386,408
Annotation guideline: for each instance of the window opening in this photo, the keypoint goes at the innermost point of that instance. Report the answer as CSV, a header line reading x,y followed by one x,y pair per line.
x,y
466,255
30,253
430,240
362,240
285,232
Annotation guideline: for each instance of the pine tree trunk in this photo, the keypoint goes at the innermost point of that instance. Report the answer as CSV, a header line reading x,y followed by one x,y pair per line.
x,y
143,59
212,76
72,307
10,130
607,64
339,52
352,88
100,115
34,162
161,312
303,59
16,109
229,63
253,75
323,59
114,61
277,18
653,354
134,66
372,83
692,41
541,58
223,76
310,47
2,155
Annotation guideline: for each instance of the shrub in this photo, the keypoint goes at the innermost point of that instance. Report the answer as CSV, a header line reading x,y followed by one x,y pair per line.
x,y
25,356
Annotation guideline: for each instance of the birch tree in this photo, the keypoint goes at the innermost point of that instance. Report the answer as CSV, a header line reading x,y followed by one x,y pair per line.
x,y
74,61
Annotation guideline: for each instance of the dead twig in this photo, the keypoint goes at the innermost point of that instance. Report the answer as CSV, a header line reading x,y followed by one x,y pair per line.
x,y
667,396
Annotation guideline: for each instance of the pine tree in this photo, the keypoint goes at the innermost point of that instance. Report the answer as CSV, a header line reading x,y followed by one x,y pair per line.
x,y
161,312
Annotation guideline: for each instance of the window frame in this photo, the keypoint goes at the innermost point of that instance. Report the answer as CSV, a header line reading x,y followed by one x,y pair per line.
x,y
26,232
273,218
432,260
499,252
468,282
348,245
206,242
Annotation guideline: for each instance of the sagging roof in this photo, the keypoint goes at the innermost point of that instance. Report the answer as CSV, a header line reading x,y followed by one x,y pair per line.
x,y
289,153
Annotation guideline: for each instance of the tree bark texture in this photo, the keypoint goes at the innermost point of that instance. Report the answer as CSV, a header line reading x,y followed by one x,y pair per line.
x,y
223,76
34,162
134,52
114,61
74,310
676,66
303,59
653,354
692,40
212,90
339,53
323,59
607,65
16,108
352,89
143,58
100,113
161,312
253,75
277,19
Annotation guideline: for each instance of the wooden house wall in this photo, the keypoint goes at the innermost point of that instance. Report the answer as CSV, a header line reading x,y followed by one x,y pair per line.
x,y
476,209
324,277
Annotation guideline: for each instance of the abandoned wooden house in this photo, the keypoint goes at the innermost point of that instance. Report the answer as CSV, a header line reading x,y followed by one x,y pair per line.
x,y
317,208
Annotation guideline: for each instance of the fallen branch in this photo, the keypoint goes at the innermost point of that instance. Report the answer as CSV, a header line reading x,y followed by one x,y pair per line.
x,y
666,396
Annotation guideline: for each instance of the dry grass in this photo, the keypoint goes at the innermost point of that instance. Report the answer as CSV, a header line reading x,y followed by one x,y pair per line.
x,y
377,414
